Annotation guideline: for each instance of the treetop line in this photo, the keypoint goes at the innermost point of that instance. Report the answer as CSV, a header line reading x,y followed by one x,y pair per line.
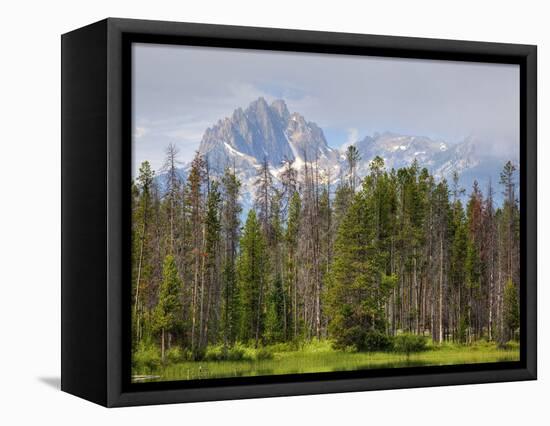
x,y
395,252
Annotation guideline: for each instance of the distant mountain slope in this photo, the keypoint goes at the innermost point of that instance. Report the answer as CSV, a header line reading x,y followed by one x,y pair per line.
x,y
440,158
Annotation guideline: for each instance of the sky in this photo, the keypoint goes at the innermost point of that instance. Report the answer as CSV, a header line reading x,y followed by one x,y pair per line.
x,y
180,91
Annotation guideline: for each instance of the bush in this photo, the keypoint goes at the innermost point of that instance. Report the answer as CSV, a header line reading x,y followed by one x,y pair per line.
x,y
358,339
174,355
214,353
263,354
285,347
187,355
353,337
235,353
146,358
376,341
225,353
409,343
463,330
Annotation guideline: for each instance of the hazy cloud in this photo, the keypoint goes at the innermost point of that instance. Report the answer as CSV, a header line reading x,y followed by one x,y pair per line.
x,y
353,136
139,132
179,91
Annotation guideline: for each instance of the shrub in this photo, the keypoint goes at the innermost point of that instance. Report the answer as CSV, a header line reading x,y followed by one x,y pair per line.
x,y
376,341
409,343
187,355
463,330
225,353
174,355
353,337
317,346
511,310
285,347
263,354
214,353
358,339
235,353
146,358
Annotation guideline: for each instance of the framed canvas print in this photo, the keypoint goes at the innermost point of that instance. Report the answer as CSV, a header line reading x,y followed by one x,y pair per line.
x,y
252,212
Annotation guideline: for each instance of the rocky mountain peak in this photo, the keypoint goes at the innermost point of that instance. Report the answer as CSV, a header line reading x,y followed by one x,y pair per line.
x,y
264,131
280,108
258,109
238,115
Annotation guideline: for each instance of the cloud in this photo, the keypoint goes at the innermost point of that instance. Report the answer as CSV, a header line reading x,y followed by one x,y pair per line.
x,y
191,133
353,136
179,91
139,132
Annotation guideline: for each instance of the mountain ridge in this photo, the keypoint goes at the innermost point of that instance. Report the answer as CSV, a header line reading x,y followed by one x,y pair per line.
x,y
270,131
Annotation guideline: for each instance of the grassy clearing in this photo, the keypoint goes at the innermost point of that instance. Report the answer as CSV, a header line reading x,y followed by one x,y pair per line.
x,y
319,357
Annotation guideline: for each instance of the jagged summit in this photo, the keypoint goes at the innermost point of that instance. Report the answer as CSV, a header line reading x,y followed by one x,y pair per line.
x,y
280,107
267,131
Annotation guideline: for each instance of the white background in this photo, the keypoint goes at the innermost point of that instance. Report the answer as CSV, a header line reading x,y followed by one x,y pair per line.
x,y
30,212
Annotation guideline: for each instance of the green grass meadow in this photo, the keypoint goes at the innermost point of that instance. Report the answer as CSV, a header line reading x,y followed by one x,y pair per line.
x,y
318,357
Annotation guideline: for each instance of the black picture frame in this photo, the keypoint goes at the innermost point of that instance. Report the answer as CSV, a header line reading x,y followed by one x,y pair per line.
x,y
96,144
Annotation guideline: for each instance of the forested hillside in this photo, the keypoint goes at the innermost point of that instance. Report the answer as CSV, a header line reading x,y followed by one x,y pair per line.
x,y
358,265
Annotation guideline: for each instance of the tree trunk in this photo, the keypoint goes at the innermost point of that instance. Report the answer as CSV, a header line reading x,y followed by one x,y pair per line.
x,y
137,309
162,345
441,290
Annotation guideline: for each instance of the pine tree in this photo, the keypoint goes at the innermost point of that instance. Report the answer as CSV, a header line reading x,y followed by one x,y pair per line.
x,y
264,194
166,313
358,287
490,240
343,198
231,210
211,264
142,212
511,309
457,271
275,318
352,158
441,230
195,211
252,274
474,266
309,247
289,183
173,195
326,240
384,204
276,297
291,264
510,217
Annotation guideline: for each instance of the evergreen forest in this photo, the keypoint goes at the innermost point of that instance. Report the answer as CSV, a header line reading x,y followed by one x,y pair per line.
x,y
395,268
